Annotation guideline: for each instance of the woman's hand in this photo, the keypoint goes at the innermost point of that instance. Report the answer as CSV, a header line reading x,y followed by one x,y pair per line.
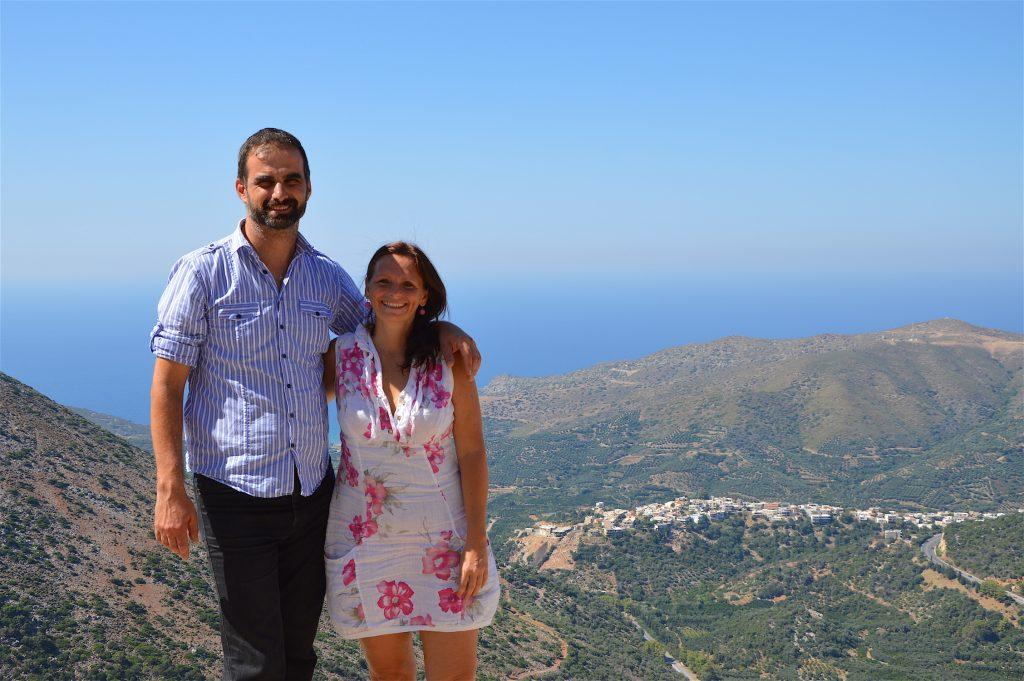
x,y
474,569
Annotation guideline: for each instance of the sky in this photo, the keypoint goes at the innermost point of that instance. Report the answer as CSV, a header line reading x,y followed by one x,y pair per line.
x,y
616,177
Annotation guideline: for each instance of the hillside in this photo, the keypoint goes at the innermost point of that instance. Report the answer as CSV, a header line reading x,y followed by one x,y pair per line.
x,y
746,599
926,415
87,590
88,593
992,549
135,433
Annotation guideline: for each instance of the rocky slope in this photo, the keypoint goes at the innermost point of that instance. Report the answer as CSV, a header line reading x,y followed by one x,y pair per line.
x,y
87,592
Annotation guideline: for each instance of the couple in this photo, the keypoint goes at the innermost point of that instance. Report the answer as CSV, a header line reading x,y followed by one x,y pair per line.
x,y
398,542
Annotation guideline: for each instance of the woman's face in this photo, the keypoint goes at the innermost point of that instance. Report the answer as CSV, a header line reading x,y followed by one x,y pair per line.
x,y
396,290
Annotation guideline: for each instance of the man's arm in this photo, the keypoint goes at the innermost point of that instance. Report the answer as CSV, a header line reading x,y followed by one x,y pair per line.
x,y
328,381
456,341
174,518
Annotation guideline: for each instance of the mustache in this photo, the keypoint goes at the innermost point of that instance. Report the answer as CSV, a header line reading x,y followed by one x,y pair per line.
x,y
290,203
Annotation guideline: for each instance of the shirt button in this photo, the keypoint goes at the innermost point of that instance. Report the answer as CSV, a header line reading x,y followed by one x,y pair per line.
x,y
265,272
292,415
282,326
284,355
289,385
292,445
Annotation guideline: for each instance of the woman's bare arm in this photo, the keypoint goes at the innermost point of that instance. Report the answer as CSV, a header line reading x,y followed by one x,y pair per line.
x,y
469,446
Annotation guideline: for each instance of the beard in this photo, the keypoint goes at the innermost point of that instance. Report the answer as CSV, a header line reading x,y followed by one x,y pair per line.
x,y
283,220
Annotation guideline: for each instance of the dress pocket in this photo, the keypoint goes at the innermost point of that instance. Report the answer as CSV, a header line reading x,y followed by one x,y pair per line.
x,y
344,599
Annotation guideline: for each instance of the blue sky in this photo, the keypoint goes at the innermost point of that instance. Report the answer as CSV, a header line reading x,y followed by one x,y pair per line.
x,y
511,138
838,151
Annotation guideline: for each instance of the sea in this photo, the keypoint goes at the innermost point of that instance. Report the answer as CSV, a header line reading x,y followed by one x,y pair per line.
x,y
86,344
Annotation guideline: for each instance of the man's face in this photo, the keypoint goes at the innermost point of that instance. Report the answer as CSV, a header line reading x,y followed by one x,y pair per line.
x,y
276,189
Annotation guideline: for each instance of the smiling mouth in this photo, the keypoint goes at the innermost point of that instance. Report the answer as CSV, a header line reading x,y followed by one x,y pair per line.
x,y
394,306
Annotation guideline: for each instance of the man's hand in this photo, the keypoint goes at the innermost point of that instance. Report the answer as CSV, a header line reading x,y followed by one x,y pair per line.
x,y
455,340
175,521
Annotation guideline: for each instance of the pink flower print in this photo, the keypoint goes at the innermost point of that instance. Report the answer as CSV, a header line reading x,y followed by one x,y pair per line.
x,y
350,366
447,535
376,494
449,600
435,454
439,561
368,433
360,615
385,418
396,598
362,530
367,388
351,474
433,382
441,396
407,450
422,621
348,573
430,386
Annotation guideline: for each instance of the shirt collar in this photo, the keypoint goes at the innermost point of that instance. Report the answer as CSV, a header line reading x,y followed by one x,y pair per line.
x,y
238,241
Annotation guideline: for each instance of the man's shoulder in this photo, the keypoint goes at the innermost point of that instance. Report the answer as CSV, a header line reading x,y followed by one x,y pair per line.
x,y
330,267
206,255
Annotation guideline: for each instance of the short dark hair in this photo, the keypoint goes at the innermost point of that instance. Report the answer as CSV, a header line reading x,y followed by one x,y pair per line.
x,y
269,136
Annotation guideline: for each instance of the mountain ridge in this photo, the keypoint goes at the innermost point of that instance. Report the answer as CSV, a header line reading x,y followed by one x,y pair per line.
x,y
868,417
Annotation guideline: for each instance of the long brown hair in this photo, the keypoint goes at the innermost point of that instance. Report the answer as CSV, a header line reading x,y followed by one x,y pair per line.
x,y
424,344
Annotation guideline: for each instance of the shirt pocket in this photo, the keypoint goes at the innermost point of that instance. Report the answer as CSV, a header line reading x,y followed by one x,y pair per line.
x,y
240,323
314,319
237,313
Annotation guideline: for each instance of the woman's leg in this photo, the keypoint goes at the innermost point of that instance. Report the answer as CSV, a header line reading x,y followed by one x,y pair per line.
x,y
449,655
390,657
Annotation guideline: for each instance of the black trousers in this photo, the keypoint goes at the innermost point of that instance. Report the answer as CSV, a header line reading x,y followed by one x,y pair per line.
x,y
267,557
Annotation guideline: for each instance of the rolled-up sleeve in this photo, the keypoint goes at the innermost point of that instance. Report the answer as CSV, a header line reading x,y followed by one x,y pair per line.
x,y
181,324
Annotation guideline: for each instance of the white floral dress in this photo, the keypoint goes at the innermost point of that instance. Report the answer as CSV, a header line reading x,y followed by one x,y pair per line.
x,y
397,522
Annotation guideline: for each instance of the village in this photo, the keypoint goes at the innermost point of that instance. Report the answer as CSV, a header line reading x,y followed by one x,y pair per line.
x,y
540,540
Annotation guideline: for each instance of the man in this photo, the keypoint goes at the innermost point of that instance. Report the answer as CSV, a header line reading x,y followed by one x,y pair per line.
x,y
244,322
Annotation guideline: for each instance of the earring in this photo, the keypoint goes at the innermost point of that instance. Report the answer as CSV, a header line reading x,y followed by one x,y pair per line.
x,y
422,311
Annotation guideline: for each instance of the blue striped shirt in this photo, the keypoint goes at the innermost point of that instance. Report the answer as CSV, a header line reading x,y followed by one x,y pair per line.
x,y
255,410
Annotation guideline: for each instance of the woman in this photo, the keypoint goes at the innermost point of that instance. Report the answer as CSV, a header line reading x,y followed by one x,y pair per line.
x,y
406,545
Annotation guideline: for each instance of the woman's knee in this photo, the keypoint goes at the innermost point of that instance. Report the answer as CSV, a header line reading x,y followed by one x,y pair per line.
x,y
390,657
462,675
393,672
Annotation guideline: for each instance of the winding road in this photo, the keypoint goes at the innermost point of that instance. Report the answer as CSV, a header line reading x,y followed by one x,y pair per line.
x,y
928,549
677,666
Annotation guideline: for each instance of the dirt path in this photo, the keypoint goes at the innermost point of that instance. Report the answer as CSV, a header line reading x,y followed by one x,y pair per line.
x,y
534,673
